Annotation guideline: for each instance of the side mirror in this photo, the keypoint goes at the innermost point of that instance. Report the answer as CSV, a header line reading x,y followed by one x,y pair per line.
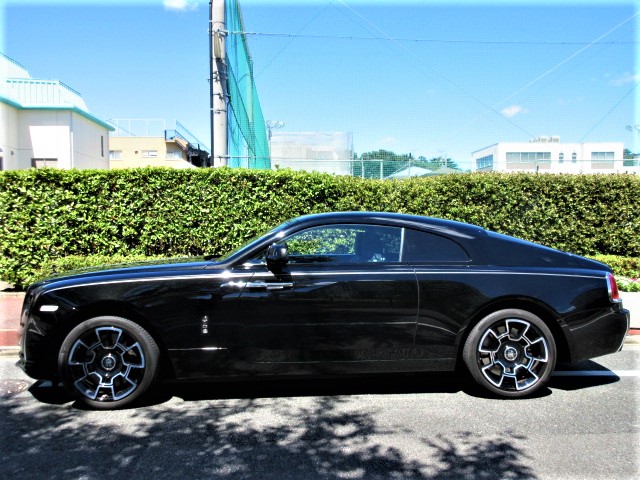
x,y
277,256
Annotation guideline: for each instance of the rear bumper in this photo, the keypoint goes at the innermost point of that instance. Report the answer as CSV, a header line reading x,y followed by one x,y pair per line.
x,y
602,335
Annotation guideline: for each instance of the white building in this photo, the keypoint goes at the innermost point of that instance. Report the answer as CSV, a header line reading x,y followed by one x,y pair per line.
x,y
547,154
47,123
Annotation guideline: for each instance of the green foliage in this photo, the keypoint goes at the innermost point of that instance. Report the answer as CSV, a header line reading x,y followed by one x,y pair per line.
x,y
625,269
628,284
382,163
47,214
621,266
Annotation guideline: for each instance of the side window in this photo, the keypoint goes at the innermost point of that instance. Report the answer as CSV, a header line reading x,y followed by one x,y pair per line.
x,y
427,247
345,244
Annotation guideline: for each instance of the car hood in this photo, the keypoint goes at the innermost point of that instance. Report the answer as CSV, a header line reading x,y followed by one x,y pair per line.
x,y
144,268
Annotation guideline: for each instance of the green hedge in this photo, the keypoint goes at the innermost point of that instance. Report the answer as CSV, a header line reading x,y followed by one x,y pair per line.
x,y
47,214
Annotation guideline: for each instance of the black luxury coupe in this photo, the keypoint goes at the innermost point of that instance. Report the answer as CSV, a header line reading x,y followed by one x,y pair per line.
x,y
335,293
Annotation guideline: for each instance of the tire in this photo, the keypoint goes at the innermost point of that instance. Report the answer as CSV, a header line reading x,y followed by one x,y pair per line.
x,y
108,362
511,353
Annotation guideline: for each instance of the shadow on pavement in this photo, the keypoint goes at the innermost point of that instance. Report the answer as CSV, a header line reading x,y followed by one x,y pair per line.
x,y
234,435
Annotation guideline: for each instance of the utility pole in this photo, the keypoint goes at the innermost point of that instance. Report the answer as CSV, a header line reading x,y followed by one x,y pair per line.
x,y
218,83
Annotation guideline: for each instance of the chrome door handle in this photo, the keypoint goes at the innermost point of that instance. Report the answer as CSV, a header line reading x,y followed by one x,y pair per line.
x,y
238,285
269,285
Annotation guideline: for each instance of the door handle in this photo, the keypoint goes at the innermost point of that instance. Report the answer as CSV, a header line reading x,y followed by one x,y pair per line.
x,y
269,285
238,285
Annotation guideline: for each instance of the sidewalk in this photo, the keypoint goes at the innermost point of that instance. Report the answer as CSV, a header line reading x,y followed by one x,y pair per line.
x,y
10,310
11,305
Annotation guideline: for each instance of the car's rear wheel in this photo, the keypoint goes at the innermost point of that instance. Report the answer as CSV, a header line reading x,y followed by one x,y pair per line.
x,y
511,353
108,362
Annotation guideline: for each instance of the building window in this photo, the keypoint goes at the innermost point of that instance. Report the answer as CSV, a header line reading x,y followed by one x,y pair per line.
x,y
44,162
602,159
174,155
528,157
115,154
561,158
150,153
602,155
484,162
574,157
102,145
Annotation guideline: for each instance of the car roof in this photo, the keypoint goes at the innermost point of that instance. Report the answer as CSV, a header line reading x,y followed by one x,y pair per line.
x,y
450,227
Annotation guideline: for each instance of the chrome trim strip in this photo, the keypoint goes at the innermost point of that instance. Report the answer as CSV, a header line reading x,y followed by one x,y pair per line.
x,y
406,271
499,272
224,274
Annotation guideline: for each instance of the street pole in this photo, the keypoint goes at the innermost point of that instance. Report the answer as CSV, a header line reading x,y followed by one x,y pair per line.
x,y
219,146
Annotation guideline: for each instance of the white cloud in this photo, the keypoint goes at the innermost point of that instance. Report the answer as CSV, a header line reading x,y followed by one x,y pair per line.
x,y
180,4
513,110
387,142
624,79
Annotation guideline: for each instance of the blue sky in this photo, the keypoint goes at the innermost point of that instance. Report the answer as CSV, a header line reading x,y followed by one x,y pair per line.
x,y
419,77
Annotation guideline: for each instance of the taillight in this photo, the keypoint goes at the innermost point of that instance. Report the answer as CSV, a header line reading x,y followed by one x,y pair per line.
x,y
612,286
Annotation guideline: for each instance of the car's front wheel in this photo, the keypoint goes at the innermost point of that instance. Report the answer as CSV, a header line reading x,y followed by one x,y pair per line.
x,y
108,362
510,352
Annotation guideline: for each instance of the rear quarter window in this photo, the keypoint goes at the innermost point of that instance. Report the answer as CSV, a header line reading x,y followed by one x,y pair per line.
x,y
428,247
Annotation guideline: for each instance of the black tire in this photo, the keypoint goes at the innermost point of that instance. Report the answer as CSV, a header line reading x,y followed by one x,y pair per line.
x,y
511,353
108,362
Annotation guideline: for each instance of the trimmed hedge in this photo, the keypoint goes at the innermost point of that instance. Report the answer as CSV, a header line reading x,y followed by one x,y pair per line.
x,y
621,266
47,214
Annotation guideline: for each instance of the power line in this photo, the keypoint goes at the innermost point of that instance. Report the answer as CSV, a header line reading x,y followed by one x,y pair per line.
x,y
609,112
424,40
434,70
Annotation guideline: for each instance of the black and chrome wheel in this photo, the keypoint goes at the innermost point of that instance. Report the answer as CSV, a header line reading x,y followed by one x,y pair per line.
x,y
511,353
108,362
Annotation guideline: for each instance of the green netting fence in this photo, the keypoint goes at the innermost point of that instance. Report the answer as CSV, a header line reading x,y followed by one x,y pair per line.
x,y
248,143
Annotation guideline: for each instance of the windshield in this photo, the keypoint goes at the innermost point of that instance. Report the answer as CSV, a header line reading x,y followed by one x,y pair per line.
x,y
253,241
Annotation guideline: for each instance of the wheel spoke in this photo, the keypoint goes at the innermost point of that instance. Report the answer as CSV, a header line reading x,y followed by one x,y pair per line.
x,y
108,337
494,372
526,380
538,351
89,385
490,342
124,387
133,356
517,329
81,354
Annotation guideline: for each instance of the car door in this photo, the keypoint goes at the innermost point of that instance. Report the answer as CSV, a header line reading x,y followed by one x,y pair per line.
x,y
344,296
447,297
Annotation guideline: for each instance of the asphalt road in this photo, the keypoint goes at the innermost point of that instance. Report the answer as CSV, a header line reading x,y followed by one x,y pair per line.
x,y
585,425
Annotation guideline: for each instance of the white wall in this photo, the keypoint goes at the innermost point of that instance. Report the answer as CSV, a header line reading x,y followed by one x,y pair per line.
x,y
52,134
9,136
88,152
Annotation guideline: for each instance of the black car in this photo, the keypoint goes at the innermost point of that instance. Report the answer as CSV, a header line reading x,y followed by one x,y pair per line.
x,y
327,294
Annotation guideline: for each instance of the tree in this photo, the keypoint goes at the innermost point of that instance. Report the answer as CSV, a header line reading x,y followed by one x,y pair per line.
x,y
436,162
379,164
382,163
